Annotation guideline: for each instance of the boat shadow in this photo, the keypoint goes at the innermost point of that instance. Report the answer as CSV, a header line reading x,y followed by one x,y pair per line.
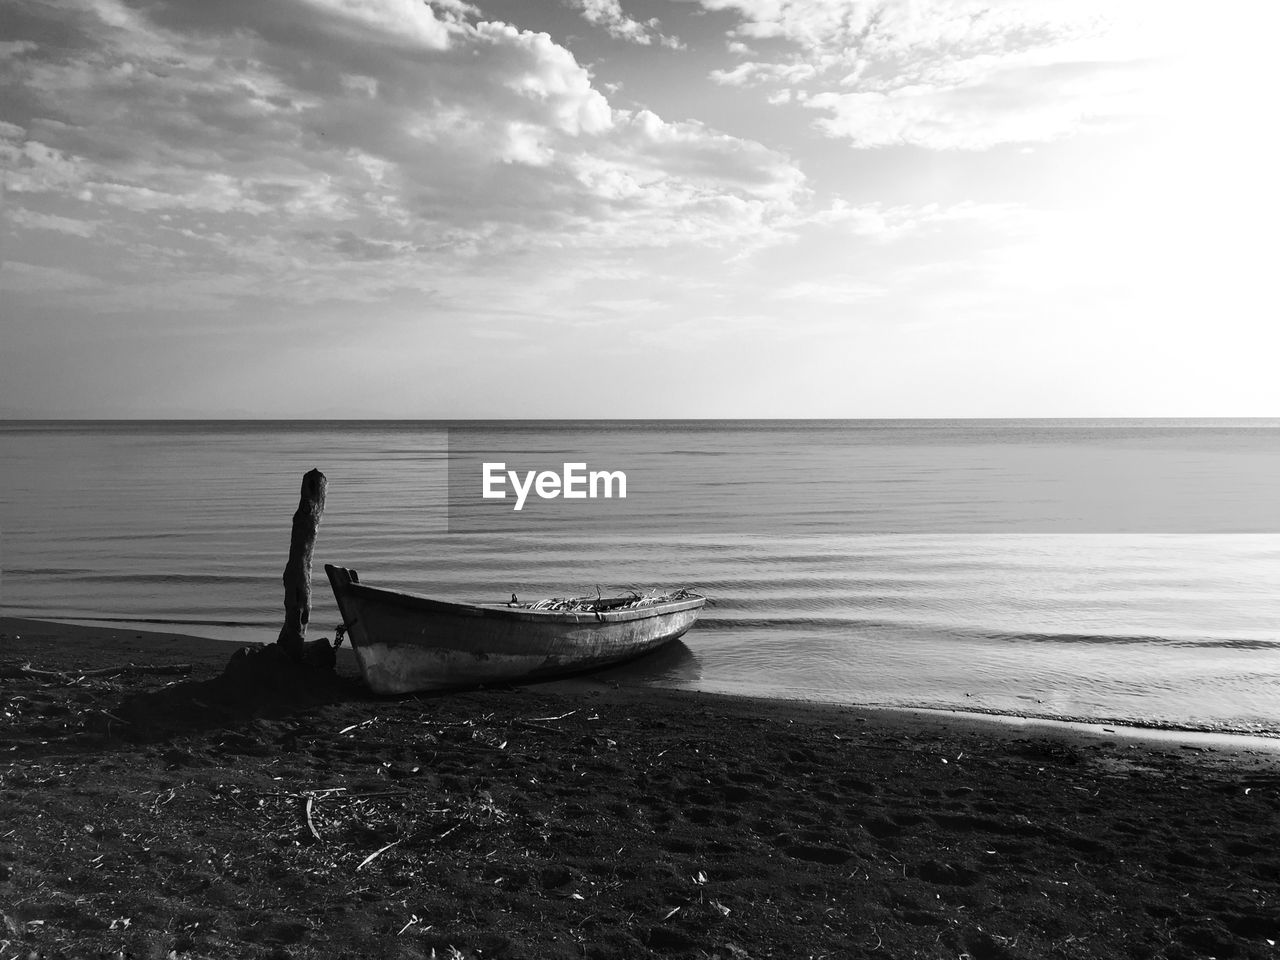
x,y
673,664
264,685
258,683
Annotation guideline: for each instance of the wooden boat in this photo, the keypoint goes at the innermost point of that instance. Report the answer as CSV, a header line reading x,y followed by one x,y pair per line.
x,y
405,642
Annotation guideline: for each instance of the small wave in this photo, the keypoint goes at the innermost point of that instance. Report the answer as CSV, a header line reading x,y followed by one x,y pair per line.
x,y
1228,728
168,578
47,572
164,621
784,623
1233,643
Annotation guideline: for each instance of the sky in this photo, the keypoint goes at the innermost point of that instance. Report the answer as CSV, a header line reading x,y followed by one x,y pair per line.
x,y
638,208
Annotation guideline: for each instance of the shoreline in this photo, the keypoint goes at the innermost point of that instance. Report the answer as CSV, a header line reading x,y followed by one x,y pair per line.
x,y
577,818
1201,736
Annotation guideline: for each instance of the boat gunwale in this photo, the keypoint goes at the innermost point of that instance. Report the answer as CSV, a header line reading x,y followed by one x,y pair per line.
x,y
501,611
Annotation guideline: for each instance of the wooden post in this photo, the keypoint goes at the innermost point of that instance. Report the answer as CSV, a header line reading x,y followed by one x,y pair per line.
x,y
297,572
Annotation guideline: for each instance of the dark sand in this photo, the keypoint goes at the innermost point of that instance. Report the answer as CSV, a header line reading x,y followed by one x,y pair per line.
x,y
579,820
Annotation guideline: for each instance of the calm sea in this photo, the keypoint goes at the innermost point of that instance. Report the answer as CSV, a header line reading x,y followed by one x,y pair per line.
x,y
184,526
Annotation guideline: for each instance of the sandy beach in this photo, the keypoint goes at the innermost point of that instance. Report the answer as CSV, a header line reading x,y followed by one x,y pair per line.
x,y
177,814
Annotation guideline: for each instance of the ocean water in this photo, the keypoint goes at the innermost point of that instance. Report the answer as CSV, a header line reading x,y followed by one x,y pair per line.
x,y
816,594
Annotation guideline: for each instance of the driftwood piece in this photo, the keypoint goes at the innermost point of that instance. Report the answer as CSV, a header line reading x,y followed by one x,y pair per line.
x,y
377,853
297,572
311,824
10,671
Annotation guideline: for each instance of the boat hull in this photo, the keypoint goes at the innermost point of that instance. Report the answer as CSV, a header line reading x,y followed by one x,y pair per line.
x,y
406,643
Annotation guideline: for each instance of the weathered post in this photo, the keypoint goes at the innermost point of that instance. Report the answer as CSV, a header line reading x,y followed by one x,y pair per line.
x,y
297,572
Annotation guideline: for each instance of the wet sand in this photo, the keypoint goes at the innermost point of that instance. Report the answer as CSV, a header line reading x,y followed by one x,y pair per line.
x,y
173,815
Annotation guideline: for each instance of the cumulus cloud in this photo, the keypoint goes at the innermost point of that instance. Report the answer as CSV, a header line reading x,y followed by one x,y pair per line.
x,y
954,74
1008,103
371,133
608,14
51,221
